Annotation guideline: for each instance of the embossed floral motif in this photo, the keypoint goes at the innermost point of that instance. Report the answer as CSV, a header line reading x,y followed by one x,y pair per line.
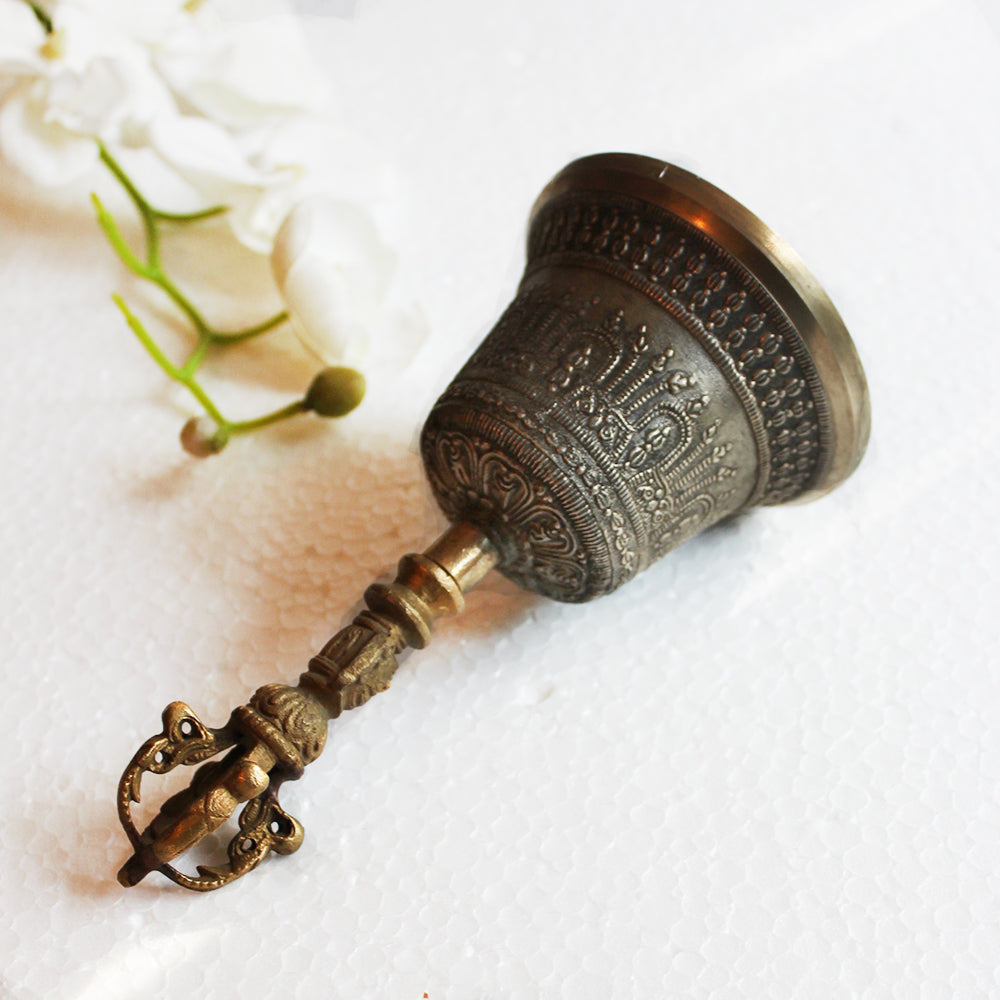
x,y
574,363
680,499
476,481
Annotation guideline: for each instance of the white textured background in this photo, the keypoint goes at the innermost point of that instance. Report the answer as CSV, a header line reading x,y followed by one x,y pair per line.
x,y
767,768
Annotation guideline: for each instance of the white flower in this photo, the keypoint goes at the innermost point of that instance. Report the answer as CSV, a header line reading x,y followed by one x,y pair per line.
x,y
207,87
243,66
85,81
334,273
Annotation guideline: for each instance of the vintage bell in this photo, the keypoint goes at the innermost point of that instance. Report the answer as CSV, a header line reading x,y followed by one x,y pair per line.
x,y
667,362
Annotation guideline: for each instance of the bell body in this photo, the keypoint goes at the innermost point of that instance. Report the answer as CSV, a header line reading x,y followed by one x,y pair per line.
x,y
667,362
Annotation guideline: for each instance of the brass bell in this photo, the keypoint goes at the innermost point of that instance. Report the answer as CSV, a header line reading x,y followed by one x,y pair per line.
x,y
667,362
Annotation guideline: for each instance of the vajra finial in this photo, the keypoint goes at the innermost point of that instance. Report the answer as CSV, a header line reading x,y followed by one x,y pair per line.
x,y
282,729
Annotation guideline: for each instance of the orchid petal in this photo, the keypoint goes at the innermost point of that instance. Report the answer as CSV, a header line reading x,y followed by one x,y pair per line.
x,y
333,270
21,37
146,23
88,103
203,153
40,148
257,216
246,82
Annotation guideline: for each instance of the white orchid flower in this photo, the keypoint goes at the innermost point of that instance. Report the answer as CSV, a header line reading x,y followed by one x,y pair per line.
x,y
85,81
206,87
230,64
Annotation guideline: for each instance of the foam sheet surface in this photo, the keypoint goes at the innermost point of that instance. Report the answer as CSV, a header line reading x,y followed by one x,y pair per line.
x,y
768,767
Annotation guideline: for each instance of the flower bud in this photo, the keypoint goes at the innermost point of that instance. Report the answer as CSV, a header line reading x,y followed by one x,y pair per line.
x,y
335,392
333,271
201,437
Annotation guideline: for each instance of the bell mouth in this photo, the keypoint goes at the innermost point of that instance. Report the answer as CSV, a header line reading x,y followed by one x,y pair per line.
x,y
774,264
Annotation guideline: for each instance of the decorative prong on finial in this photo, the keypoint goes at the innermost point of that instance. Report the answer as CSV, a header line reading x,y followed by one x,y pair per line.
x,y
271,741
185,740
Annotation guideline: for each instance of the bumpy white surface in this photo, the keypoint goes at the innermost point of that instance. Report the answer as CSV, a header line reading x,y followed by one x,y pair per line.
x,y
767,768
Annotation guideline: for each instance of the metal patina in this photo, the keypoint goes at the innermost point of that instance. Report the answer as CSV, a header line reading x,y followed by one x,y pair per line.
x,y
668,361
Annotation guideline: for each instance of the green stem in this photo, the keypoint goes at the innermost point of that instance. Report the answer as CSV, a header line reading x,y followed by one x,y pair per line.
x,y
125,253
291,410
43,19
146,211
177,374
202,213
152,271
186,378
143,205
179,299
251,331
196,357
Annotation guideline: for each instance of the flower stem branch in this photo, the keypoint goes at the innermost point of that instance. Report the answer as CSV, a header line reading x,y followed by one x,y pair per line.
x,y
333,392
43,18
245,426
186,378
151,215
151,269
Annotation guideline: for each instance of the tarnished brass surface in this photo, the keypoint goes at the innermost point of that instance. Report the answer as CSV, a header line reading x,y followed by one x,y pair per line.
x,y
667,362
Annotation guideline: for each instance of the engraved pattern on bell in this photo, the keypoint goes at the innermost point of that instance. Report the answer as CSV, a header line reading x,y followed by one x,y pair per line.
x,y
672,262
588,436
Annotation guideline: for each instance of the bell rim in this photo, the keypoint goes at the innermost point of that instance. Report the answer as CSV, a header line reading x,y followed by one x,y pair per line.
x,y
773,262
